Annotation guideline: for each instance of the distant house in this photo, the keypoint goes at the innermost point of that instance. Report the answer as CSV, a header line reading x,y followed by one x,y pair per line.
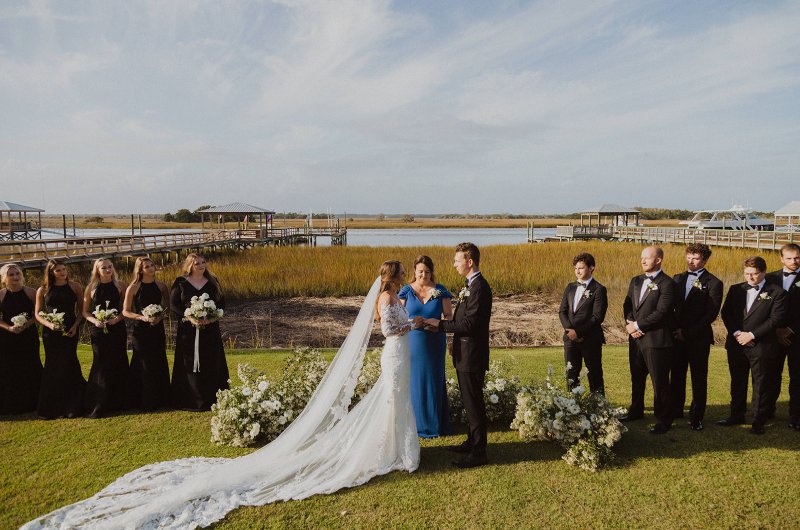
x,y
22,227
787,219
610,215
247,215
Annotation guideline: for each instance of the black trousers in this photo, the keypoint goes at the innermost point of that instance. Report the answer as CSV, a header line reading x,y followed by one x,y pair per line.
x,y
789,355
471,385
764,372
690,355
576,353
657,363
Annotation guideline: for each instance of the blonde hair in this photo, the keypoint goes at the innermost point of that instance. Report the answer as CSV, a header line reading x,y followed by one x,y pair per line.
x,y
390,275
94,279
186,269
138,266
7,267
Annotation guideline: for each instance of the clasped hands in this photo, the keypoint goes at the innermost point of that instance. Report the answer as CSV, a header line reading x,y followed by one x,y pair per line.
x,y
632,330
430,324
745,338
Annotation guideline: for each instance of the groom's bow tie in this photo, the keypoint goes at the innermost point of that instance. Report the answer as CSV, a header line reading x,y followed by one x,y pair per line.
x,y
582,284
788,273
698,272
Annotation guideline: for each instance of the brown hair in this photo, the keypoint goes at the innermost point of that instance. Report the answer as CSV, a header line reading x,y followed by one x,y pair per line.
x,y
757,262
186,268
48,278
699,248
94,279
470,251
584,257
390,275
790,246
7,267
138,265
425,260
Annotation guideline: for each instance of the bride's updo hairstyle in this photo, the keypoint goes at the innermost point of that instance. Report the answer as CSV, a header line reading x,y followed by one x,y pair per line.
x,y
390,275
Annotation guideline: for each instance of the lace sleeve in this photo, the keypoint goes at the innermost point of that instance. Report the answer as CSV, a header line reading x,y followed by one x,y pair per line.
x,y
394,320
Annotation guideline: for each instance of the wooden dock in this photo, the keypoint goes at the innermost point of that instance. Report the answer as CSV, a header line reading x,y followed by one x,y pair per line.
x,y
755,239
30,254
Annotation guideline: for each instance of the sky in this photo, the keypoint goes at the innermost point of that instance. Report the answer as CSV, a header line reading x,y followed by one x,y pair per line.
x,y
399,107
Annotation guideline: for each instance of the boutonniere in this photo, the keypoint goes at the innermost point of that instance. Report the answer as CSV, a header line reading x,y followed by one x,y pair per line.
x,y
697,285
586,294
797,284
435,293
652,286
764,296
463,293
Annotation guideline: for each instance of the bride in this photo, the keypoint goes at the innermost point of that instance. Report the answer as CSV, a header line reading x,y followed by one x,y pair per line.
x,y
325,449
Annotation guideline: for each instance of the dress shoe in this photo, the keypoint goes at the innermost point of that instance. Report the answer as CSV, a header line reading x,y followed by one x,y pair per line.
x,y
696,425
795,424
460,448
471,461
757,428
658,428
729,422
631,417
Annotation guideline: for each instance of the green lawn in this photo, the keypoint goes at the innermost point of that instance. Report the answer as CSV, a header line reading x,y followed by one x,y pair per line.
x,y
715,478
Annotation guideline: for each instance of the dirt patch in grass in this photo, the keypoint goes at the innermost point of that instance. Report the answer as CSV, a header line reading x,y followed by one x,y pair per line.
x,y
517,321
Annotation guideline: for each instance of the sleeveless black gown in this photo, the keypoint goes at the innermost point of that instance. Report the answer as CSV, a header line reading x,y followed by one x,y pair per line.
x,y
20,365
108,379
148,379
196,390
63,385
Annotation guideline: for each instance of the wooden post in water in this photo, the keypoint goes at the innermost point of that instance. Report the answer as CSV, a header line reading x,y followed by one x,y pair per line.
x,y
64,220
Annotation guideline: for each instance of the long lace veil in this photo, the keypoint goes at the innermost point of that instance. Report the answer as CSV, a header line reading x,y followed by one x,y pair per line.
x,y
199,491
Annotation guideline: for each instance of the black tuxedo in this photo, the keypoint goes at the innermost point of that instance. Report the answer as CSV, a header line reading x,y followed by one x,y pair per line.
x,y
694,317
586,320
790,353
470,329
767,313
651,353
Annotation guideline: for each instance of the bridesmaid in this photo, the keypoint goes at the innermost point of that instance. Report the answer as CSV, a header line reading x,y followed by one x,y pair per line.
x,y
63,385
192,390
108,378
428,299
148,380
20,365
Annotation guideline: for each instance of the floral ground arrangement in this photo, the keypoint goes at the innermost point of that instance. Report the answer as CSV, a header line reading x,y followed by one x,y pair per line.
x,y
715,478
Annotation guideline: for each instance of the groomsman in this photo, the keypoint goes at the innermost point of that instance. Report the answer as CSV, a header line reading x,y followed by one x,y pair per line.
x,y
470,329
649,312
702,298
752,312
583,309
788,339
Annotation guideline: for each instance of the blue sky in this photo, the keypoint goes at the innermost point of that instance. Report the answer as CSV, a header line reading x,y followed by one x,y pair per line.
x,y
377,106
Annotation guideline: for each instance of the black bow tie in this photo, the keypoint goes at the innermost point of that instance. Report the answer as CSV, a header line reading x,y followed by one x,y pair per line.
x,y
581,284
651,278
748,287
698,272
789,273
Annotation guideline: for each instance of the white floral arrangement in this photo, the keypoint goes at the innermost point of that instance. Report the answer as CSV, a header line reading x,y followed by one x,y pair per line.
x,y
259,410
55,318
104,314
153,311
584,423
202,308
20,320
499,394
435,293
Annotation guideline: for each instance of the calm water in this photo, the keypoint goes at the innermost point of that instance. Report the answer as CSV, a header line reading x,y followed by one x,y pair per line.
x,y
410,237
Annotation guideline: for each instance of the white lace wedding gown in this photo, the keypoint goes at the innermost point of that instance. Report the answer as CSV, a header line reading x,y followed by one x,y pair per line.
x,y
325,449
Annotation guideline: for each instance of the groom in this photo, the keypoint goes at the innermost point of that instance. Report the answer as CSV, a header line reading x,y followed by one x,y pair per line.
x,y
470,328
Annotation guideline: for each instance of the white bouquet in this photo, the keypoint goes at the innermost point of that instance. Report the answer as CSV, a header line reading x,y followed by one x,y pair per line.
x,y
200,308
499,395
583,422
153,311
20,320
104,314
55,318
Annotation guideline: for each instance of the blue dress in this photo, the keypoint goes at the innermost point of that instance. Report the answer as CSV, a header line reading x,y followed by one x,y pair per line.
x,y
428,387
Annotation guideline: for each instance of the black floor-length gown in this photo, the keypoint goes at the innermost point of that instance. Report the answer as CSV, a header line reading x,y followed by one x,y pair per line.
x,y
20,365
108,379
63,385
197,390
148,379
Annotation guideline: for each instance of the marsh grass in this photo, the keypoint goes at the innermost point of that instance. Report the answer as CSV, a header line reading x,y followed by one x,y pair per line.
x,y
718,478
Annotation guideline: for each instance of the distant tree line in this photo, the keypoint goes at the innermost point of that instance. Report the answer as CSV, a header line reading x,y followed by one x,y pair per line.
x,y
188,216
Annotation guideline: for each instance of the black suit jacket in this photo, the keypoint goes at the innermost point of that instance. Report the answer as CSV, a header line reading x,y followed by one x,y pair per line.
x,y
587,320
696,313
792,302
765,316
470,328
655,314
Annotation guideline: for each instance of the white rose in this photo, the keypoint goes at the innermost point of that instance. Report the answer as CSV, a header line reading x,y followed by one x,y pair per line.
x,y
246,391
282,420
254,430
578,390
494,398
